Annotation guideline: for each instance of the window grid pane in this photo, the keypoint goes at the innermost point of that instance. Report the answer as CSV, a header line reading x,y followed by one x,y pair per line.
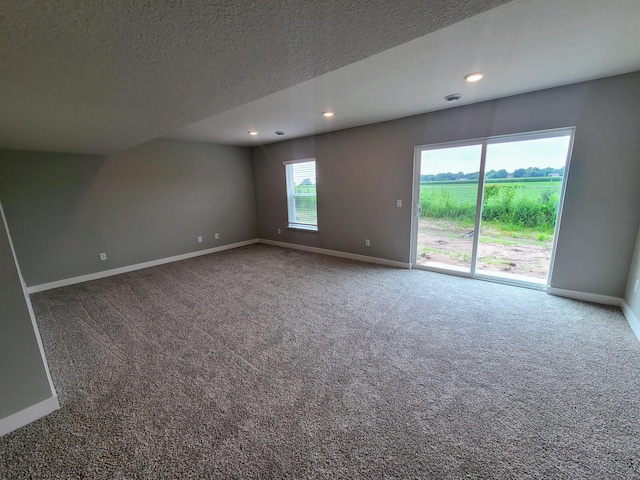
x,y
301,193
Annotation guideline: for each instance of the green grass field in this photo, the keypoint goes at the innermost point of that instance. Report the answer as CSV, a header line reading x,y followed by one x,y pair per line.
x,y
466,192
511,204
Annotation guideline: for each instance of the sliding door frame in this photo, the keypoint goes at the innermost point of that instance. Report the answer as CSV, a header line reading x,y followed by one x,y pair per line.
x,y
484,142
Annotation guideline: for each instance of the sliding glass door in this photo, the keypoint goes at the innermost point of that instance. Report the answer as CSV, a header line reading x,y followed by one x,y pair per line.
x,y
490,207
448,206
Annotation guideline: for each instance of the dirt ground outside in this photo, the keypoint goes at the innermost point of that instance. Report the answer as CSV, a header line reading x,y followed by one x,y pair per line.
x,y
446,242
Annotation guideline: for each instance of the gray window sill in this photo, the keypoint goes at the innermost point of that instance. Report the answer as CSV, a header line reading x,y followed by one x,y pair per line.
x,y
302,228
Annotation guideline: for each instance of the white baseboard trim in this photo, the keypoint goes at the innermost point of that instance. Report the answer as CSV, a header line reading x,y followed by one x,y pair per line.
x,y
634,323
28,415
336,253
586,297
139,266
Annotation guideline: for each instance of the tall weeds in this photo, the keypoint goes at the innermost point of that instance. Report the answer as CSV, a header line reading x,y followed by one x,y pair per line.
x,y
505,204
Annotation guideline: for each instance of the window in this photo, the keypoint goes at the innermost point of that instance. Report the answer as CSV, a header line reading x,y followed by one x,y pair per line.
x,y
301,194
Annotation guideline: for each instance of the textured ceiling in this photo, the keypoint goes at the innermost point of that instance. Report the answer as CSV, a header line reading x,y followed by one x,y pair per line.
x,y
522,46
101,76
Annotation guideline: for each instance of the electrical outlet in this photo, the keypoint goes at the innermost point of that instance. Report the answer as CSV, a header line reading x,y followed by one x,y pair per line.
x,y
199,239
635,287
279,232
399,203
103,256
217,236
367,243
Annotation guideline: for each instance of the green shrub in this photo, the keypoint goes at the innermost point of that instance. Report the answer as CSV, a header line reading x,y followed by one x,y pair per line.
x,y
511,205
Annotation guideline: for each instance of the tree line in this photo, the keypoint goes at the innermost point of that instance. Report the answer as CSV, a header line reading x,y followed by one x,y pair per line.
x,y
502,173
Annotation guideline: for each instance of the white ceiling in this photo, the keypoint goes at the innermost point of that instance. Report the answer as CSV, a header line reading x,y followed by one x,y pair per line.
x,y
521,47
101,76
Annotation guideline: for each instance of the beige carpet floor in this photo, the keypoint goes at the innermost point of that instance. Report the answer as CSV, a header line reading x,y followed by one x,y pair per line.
x,y
264,362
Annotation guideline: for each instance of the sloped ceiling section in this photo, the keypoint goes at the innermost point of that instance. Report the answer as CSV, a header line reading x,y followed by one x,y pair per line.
x,y
522,46
100,76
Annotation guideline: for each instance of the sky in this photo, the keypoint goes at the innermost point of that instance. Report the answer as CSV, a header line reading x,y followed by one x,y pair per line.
x,y
541,153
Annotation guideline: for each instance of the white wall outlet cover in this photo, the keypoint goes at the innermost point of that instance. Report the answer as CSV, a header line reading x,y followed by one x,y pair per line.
x,y
199,239
367,243
217,236
398,203
103,256
279,232
635,287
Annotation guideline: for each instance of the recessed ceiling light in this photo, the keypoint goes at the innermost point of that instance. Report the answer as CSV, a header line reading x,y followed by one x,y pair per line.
x,y
253,133
327,114
473,77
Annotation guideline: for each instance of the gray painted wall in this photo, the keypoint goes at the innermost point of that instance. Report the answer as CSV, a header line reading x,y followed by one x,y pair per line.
x,y
361,172
23,378
631,298
147,203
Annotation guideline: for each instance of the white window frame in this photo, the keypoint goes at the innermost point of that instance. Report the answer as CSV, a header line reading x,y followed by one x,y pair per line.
x,y
485,141
291,196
